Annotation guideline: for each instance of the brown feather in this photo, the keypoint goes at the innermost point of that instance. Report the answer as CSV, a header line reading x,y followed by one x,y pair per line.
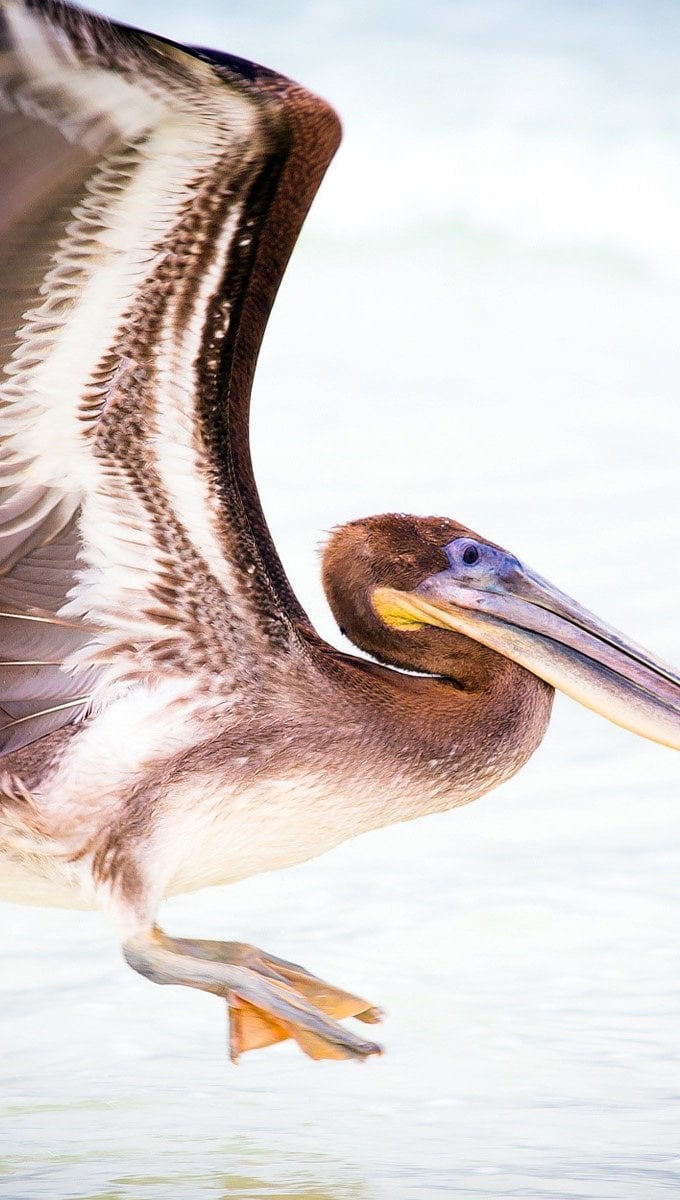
x,y
60,152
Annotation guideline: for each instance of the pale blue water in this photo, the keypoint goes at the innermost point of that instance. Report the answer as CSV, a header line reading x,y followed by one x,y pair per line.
x,y
482,320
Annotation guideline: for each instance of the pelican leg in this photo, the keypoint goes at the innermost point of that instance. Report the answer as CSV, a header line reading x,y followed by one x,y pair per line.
x,y
268,998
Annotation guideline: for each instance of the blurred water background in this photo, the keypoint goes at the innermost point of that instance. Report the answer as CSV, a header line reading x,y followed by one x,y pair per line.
x,y
481,320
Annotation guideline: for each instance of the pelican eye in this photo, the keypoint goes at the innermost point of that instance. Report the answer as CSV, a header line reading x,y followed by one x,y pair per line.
x,y
470,555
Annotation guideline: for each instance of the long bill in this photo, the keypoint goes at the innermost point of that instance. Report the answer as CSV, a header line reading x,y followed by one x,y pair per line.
x,y
531,622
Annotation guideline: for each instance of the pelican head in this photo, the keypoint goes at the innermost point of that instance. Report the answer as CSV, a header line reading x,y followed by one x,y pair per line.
x,y
431,595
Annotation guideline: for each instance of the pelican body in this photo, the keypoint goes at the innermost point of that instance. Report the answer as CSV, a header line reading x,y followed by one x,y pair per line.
x,y
169,718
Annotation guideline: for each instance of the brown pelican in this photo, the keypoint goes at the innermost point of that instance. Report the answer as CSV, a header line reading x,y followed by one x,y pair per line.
x,y
170,719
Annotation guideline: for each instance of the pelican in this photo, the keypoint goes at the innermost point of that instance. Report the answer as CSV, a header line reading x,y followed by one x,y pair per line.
x,y
170,719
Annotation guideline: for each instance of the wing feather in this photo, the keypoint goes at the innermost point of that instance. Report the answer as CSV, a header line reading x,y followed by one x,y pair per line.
x,y
153,197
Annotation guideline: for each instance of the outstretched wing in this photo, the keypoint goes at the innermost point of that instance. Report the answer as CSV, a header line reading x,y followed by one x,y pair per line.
x,y
151,198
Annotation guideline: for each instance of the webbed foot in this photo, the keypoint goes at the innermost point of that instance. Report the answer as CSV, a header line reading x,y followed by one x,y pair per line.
x,y
268,998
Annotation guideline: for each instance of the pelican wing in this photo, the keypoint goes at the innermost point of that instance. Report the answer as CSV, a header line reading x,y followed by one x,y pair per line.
x,y
151,198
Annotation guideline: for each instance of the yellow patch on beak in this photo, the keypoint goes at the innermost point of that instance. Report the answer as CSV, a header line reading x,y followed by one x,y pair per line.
x,y
396,609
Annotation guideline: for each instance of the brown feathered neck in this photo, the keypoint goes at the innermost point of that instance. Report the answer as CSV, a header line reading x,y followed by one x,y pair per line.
x,y
471,717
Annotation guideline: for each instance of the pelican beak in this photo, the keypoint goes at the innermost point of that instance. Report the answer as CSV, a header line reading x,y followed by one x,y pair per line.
x,y
512,610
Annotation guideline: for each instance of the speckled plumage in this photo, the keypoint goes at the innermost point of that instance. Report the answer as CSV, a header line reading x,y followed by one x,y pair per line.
x,y
211,706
